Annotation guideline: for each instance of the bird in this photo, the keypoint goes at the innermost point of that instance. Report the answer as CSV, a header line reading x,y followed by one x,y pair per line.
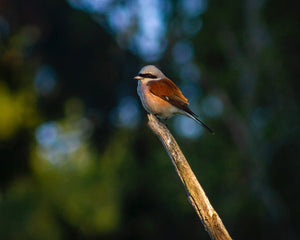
x,y
161,97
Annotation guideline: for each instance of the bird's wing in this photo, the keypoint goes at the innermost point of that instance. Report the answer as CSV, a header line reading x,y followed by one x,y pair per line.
x,y
168,91
165,88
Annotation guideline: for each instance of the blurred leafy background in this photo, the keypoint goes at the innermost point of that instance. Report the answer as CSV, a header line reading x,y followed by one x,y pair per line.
x,y
77,160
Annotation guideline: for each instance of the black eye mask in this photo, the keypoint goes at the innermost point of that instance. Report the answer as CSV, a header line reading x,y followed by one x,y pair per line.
x,y
147,75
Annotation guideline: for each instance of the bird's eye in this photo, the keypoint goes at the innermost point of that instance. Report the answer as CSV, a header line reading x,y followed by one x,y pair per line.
x,y
147,75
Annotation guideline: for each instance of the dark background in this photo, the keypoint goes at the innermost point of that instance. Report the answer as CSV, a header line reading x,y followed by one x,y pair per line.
x,y
77,160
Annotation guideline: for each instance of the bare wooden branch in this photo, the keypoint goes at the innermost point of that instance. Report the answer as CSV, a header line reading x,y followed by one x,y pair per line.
x,y
197,197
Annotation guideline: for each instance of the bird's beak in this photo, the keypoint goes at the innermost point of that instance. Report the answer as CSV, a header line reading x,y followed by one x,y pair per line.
x,y
137,78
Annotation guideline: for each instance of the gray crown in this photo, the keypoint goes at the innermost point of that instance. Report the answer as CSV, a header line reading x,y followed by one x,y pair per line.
x,y
152,70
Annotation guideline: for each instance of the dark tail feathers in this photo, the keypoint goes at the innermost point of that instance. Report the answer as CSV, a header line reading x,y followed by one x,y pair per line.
x,y
196,118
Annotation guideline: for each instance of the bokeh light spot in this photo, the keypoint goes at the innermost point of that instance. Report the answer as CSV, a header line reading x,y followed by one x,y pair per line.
x,y
99,6
119,19
212,106
138,25
58,142
150,39
46,134
193,8
186,127
127,113
45,80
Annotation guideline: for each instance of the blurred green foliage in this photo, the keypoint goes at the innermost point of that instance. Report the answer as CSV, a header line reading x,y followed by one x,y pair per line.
x,y
77,160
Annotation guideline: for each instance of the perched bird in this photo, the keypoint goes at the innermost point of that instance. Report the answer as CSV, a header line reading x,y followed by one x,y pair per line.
x,y
161,97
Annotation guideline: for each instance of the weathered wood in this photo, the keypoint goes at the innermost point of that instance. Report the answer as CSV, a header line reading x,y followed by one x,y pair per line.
x,y
196,195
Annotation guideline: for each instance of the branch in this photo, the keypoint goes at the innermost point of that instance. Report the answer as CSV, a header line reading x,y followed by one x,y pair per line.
x,y
196,195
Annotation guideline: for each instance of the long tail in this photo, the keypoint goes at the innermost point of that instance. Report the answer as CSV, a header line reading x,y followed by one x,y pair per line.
x,y
196,118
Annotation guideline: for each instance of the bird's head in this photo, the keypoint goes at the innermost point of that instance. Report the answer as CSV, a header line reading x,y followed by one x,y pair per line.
x,y
150,72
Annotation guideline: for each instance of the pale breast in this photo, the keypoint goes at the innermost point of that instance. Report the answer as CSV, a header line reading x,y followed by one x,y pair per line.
x,y
154,104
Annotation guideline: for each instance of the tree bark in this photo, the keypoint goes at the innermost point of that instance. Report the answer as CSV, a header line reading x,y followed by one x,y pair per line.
x,y
196,195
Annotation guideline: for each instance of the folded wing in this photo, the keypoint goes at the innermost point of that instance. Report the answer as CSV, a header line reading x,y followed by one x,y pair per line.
x,y
169,92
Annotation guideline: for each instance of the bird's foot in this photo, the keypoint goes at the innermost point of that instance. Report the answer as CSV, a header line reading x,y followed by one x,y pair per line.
x,y
162,120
